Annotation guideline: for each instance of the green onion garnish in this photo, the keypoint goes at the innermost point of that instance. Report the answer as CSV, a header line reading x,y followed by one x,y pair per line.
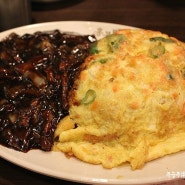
x,y
94,49
162,39
89,97
114,41
157,51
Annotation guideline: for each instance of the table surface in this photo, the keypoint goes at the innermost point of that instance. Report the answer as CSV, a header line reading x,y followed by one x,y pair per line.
x,y
167,16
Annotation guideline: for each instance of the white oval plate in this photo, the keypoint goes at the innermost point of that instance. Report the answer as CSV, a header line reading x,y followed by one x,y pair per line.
x,y
57,165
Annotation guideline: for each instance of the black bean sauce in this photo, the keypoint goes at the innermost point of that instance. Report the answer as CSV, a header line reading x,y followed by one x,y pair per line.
x,y
36,73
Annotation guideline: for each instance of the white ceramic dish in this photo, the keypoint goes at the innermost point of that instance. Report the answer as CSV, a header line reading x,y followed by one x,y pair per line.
x,y
57,165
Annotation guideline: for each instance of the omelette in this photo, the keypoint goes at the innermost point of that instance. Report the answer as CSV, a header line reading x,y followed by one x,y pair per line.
x,y
127,105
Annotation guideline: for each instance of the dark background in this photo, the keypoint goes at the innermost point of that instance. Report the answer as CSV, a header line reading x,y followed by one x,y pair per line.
x,y
167,16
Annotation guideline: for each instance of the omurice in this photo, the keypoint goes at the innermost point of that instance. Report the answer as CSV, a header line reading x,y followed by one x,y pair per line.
x,y
128,103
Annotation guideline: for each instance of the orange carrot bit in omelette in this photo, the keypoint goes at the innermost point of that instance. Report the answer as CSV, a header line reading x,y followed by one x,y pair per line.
x,y
175,95
94,105
115,87
134,105
132,77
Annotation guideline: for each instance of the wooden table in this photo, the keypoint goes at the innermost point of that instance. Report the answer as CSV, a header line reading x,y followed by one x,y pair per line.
x,y
167,16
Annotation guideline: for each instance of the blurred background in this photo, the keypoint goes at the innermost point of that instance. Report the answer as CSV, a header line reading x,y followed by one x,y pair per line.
x,y
165,15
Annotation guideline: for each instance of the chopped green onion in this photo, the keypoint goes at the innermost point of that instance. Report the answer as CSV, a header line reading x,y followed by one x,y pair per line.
x,y
162,39
89,97
103,60
94,49
114,41
157,51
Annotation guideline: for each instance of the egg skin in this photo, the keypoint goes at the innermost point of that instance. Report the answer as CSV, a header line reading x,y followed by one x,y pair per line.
x,y
129,101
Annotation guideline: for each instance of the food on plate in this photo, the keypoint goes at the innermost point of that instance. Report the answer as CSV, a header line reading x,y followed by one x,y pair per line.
x,y
128,103
36,73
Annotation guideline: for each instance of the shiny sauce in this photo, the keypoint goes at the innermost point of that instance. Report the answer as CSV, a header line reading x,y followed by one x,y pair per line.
x,y
37,72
